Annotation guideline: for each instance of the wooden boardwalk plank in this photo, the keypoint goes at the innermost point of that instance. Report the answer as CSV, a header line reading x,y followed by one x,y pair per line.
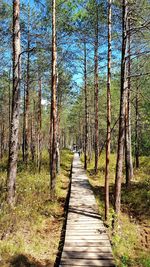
x,y
89,255
86,241
88,249
87,262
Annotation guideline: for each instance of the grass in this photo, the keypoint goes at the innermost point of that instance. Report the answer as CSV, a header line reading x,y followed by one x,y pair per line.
x,y
30,232
131,241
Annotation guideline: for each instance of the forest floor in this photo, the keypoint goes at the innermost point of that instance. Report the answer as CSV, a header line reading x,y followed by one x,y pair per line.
x,y
131,242
30,233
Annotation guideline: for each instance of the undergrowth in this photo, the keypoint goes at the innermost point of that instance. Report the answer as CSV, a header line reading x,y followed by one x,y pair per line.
x,y
29,233
131,241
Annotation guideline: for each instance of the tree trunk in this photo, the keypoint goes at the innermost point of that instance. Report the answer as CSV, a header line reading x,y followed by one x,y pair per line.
x,y
13,145
108,139
33,133
9,103
39,152
51,134
27,99
96,91
23,129
2,132
53,101
128,146
119,163
86,111
59,104
137,128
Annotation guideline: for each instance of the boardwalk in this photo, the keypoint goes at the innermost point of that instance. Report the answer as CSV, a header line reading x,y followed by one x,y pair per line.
x,y
86,241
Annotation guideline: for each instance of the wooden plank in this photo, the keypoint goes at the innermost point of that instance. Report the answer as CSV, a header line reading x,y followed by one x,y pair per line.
x,y
88,232
88,249
83,225
83,220
86,237
76,225
87,262
93,243
85,255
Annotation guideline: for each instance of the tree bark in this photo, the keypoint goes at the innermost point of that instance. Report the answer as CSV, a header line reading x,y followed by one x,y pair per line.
x,y
86,111
96,91
108,139
39,152
59,106
128,146
120,151
27,98
2,133
13,145
137,164
54,102
23,130
33,147
9,103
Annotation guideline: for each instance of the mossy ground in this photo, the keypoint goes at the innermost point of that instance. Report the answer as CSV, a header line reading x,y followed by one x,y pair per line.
x,y
30,233
131,241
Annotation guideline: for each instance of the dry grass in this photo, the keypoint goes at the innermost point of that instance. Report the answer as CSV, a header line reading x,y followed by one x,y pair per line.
x,y
30,233
131,241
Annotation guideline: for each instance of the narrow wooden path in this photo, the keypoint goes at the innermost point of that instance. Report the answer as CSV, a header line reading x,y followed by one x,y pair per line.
x,y
86,241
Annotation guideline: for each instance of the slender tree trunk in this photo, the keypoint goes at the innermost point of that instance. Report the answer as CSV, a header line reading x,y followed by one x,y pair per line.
x,y
54,102
58,143
39,156
86,111
27,105
2,133
2,127
13,145
23,130
128,146
108,139
58,136
120,151
9,103
51,134
96,91
33,133
137,128
59,103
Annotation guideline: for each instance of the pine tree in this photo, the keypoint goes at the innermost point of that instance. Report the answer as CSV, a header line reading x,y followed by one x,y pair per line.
x,y
13,145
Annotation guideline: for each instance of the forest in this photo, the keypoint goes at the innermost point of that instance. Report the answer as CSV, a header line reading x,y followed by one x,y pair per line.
x,y
74,78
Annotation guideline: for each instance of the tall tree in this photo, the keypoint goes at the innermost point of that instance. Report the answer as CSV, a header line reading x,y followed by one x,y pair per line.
x,y
128,146
86,107
137,126
13,145
108,139
96,90
53,102
27,97
39,152
120,152
33,139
